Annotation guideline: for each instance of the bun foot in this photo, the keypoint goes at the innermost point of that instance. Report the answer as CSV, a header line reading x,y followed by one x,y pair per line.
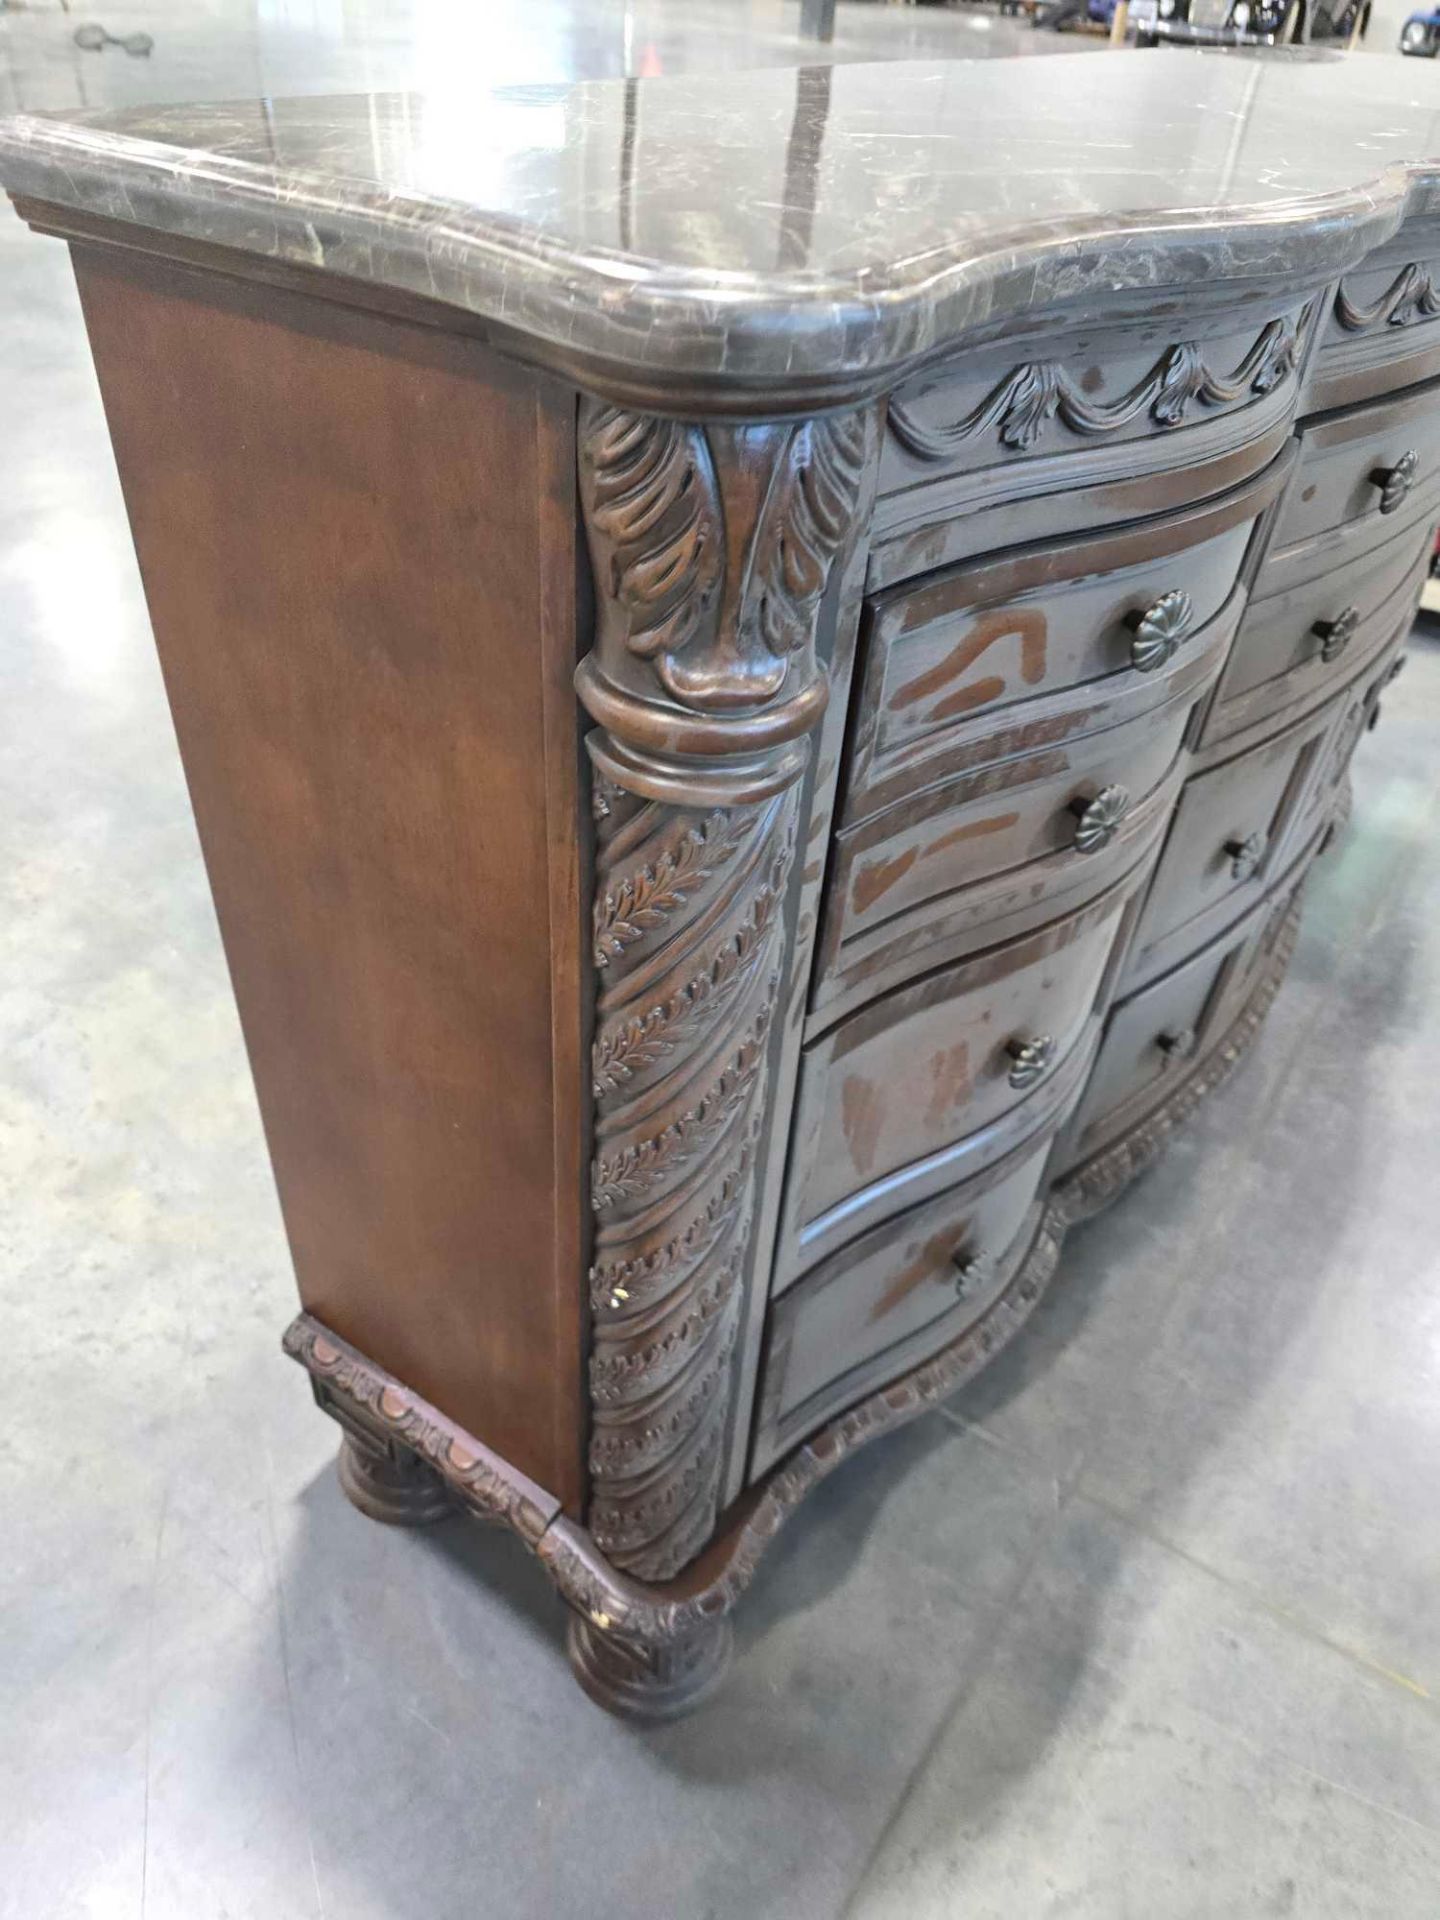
x,y
393,1487
649,1681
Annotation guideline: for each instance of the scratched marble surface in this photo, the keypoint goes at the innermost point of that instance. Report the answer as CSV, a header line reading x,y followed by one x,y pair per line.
x,y
784,224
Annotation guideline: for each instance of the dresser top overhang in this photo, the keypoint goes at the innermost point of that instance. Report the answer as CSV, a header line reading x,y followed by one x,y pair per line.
x,y
789,236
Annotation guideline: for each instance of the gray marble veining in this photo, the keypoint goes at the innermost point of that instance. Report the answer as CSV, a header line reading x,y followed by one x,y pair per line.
x,y
801,228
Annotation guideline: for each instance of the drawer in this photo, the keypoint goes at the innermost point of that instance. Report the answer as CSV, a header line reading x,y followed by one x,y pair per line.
x,y
980,645
1379,331
1319,799
1360,475
1156,1037
976,859
1152,1038
1122,418
895,1100
1292,647
1226,844
894,1296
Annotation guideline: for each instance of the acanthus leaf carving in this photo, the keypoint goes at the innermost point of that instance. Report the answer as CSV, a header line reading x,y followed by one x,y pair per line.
x,y
808,516
713,545
650,491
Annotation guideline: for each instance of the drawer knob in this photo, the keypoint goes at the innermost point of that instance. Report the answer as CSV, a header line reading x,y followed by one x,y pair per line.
x,y
1177,1045
1335,635
1395,482
1097,819
1158,629
1245,855
1029,1057
972,1271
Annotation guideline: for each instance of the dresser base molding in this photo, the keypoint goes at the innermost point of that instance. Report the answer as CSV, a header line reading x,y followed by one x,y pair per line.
x,y
652,1652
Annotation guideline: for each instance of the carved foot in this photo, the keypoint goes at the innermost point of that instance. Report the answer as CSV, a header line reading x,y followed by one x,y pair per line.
x,y
393,1487
649,1682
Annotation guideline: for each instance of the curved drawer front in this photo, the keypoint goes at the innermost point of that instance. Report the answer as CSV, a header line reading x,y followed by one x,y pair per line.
x,y
1360,475
994,448
1228,843
894,1296
960,862
977,645
1293,646
1157,1036
892,1100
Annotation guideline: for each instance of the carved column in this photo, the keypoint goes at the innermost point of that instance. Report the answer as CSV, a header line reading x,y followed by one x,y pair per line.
x,y
712,548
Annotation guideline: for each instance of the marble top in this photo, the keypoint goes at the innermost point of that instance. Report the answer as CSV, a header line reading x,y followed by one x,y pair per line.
x,y
799,229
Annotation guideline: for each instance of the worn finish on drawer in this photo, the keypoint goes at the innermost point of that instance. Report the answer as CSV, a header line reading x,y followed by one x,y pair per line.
x,y
1292,647
964,858
902,1084
997,447
980,644
894,1295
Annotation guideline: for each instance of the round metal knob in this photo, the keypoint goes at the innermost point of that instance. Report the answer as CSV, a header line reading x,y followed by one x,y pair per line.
x,y
1395,482
1178,1045
972,1272
1097,819
1245,855
1029,1058
1159,629
1335,635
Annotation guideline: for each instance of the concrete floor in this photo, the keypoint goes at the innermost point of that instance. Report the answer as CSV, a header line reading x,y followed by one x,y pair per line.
x,y
1143,1624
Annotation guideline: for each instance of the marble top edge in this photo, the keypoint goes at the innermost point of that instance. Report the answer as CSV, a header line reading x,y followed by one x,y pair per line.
x,y
824,225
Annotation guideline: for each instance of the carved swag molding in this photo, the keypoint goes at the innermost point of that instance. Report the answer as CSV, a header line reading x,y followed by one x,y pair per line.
x,y
712,548
1032,395
1411,295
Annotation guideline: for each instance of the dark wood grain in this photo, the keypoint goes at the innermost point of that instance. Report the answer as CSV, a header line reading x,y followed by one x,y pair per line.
x,y
357,542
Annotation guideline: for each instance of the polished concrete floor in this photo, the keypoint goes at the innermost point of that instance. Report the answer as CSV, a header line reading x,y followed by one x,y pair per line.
x,y
1143,1626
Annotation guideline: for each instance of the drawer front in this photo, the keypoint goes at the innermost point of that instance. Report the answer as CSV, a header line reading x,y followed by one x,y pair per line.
x,y
894,1296
1379,331
1227,841
1293,646
1154,1038
1151,1039
958,864
1119,420
979,645
1356,710
1361,474
894,1099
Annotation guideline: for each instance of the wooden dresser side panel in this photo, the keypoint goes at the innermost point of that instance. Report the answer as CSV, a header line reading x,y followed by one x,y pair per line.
x,y
357,540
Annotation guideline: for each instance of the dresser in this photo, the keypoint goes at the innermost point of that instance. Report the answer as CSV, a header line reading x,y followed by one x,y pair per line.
x,y
761,663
